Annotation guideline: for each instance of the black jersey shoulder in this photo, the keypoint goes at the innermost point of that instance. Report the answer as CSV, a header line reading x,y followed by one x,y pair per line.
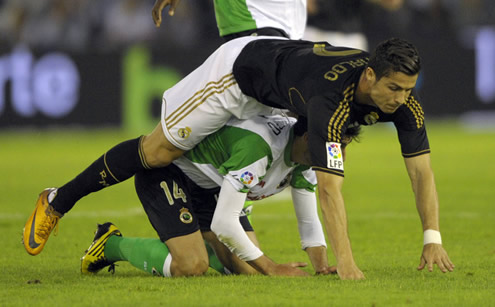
x,y
276,71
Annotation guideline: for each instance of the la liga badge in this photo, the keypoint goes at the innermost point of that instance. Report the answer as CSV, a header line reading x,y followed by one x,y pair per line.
x,y
335,158
247,177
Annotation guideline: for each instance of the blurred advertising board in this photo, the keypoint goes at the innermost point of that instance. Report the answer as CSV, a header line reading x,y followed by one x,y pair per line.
x,y
59,89
124,89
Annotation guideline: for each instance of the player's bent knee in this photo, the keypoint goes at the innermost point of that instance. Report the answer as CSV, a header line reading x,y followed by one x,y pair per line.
x,y
189,256
193,266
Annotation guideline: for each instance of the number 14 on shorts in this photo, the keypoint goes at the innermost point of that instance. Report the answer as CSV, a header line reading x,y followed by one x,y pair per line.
x,y
177,192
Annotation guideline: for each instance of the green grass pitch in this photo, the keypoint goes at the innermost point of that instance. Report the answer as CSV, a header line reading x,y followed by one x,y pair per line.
x,y
384,227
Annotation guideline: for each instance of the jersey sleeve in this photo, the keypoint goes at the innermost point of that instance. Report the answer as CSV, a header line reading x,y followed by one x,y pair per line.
x,y
308,222
250,157
327,121
303,178
411,129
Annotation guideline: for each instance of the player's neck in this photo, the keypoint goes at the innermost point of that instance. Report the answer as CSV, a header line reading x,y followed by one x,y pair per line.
x,y
299,151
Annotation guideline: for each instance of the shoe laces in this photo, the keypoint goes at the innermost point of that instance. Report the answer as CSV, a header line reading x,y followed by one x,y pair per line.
x,y
111,268
48,223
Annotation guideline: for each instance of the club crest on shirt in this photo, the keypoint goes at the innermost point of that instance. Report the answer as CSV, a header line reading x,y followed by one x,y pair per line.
x,y
334,156
184,132
371,118
246,178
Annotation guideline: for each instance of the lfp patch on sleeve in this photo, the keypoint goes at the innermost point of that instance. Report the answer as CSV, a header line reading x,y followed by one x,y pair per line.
x,y
246,178
334,156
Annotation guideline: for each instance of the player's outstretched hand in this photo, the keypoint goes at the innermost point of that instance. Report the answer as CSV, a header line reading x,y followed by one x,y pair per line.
x,y
290,269
349,272
435,254
156,12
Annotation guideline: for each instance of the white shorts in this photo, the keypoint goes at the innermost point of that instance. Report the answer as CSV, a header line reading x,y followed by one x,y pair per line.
x,y
207,98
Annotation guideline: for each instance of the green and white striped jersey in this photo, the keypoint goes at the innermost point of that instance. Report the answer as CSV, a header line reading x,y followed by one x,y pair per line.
x,y
254,155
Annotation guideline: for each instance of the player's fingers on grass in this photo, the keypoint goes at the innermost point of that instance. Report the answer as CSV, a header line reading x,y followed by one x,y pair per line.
x,y
448,264
332,269
422,263
298,264
327,271
430,265
441,265
444,262
451,265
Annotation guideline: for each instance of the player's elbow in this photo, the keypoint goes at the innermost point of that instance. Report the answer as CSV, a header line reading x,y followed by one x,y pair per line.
x,y
224,232
220,229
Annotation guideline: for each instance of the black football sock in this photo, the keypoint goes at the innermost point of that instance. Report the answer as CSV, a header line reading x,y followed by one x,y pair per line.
x,y
118,164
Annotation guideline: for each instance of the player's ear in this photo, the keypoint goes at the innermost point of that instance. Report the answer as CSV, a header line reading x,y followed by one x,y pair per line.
x,y
370,74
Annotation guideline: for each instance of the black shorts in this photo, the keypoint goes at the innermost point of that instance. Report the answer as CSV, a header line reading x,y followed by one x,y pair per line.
x,y
175,205
257,32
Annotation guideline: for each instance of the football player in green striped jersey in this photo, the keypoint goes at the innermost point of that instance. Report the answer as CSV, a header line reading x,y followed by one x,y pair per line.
x,y
250,159
237,18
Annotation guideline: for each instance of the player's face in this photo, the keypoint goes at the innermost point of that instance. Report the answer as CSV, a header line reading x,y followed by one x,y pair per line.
x,y
390,92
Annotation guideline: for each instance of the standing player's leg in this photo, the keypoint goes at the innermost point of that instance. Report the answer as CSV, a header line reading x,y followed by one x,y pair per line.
x,y
195,107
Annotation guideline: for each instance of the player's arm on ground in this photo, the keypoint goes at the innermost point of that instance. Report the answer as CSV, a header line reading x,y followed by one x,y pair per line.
x,y
230,261
226,226
423,184
335,219
156,12
308,222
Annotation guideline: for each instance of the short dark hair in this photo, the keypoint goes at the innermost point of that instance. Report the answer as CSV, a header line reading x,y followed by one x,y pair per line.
x,y
395,55
351,134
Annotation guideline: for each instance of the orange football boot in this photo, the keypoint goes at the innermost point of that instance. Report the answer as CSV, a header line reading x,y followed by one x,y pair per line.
x,y
41,223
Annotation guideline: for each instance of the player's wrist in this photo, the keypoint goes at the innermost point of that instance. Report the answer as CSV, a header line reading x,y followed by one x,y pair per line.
x,y
263,264
432,236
